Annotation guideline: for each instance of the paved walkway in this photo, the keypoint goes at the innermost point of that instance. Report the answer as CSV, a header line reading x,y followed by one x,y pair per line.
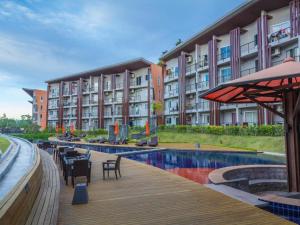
x,y
148,195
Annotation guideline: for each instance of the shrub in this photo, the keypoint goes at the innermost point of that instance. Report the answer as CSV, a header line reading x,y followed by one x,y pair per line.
x,y
264,130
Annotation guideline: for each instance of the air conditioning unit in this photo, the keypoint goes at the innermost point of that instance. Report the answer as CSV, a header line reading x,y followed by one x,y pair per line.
x,y
132,75
169,71
191,96
189,59
276,51
132,91
106,93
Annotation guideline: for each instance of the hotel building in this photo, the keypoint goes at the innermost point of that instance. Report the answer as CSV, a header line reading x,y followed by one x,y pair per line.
x,y
256,35
123,92
39,106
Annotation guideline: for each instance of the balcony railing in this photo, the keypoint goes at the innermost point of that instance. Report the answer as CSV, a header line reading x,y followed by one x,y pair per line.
x,y
248,48
203,105
66,103
223,57
190,107
119,85
171,76
107,87
202,64
53,106
224,78
66,92
190,68
279,35
171,93
203,85
248,71
190,87
53,95
52,117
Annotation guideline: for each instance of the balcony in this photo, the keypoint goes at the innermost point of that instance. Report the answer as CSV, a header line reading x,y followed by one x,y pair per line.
x,y
137,98
190,69
248,71
203,106
108,100
224,78
248,48
203,85
172,110
190,107
279,36
52,117
117,100
93,89
189,88
66,104
171,77
107,114
202,65
119,85
66,92
171,93
53,95
223,58
107,87
52,106
133,84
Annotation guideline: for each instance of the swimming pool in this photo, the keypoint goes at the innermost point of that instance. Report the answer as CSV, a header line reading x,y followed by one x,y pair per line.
x,y
196,165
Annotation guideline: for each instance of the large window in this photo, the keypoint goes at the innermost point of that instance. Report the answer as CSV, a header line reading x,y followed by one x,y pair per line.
x,y
225,75
225,52
250,117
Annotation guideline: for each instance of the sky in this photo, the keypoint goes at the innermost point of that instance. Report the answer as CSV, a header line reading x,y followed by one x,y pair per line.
x,y
42,39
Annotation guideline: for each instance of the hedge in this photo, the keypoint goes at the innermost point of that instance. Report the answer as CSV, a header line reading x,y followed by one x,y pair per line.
x,y
264,130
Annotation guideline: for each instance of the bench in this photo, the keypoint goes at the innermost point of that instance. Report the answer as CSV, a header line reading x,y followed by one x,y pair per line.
x,y
45,208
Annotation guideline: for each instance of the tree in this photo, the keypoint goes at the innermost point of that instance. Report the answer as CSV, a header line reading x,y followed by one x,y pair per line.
x,y
157,107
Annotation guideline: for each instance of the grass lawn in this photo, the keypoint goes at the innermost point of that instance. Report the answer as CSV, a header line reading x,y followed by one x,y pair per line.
x,y
4,143
255,143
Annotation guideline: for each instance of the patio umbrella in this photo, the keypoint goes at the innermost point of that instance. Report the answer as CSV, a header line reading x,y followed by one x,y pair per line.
x,y
116,130
279,83
147,128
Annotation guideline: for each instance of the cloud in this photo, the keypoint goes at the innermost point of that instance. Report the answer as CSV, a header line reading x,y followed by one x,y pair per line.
x,y
36,55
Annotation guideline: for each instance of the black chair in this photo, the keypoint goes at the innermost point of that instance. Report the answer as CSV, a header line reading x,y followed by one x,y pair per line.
x,y
112,165
153,141
81,168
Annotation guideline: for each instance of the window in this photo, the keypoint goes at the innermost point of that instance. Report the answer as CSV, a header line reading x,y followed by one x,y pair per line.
x,y
255,39
225,75
147,77
250,117
292,52
225,52
176,70
169,120
138,80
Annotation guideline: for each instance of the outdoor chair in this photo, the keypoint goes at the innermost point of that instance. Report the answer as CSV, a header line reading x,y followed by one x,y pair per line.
x,y
142,142
81,168
112,165
153,141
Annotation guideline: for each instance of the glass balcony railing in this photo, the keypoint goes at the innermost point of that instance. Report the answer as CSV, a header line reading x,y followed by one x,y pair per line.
x,y
203,85
119,85
248,71
190,68
223,57
171,76
190,87
224,78
248,48
202,64
171,93
203,106
279,35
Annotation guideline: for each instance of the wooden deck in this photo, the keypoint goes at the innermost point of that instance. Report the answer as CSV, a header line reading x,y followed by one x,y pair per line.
x,y
45,208
148,195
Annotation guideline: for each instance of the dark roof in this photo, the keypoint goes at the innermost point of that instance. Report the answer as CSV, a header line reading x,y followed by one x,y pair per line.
x,y
29,91
133,64
239,17
265,86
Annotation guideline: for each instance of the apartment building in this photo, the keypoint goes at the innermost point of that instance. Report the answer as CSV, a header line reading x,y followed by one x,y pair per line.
x,y
256,35
39,106
123,92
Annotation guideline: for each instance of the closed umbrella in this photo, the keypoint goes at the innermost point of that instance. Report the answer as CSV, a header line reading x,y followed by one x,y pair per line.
x,y
147,128
116,131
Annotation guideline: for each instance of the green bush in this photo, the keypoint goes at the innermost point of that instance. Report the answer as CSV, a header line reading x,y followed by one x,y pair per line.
x,y
35,136
265,130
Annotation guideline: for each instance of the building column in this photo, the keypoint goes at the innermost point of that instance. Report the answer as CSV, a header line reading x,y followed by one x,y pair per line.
x,y
237,114
149,96
181,88
125,110
264,56
61,105
79,105
47,105
197,54
101,101
235,56
213,81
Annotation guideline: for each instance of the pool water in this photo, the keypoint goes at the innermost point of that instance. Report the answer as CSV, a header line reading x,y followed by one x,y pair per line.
x,y
196,165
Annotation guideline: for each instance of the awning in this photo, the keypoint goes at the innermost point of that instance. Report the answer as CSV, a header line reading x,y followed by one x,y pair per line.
x,y
265,86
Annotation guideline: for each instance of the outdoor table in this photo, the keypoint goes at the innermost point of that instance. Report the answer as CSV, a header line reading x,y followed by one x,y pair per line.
x,y
68,162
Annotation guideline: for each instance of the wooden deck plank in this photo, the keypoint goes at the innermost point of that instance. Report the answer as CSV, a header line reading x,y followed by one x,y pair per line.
x,y
148,195
45,209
